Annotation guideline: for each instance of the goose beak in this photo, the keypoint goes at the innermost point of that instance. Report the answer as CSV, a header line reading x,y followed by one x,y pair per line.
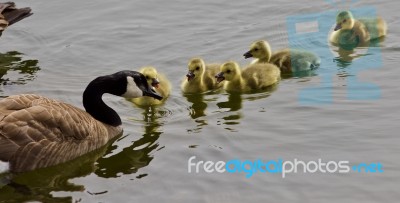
x,y
190,75
220,77
338,27
151,92
155,83
248,55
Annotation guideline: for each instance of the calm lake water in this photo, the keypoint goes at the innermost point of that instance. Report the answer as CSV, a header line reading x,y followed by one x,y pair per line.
x,y
57,51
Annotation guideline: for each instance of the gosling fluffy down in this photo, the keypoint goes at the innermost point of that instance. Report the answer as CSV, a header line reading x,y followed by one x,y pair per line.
x,y
254,77
288,60
159,82
200,77
362,30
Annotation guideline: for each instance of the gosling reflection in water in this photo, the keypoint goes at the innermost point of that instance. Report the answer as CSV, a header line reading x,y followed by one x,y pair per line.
x,y
12,62
348,54
232,115
349,60
231,109
234,102
198,105
197,110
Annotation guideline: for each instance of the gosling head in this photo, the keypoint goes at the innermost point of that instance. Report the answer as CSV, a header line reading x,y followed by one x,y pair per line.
x,y
151,76
259,49
196,68
344,21
229,71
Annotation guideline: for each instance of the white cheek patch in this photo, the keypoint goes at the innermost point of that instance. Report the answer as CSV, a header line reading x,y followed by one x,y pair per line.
x,y
4,166
132,90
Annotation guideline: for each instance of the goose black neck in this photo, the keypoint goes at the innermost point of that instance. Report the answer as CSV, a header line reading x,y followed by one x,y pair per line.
x,y
94,104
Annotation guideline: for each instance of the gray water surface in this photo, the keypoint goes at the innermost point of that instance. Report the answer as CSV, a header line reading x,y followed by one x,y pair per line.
x,y
69,43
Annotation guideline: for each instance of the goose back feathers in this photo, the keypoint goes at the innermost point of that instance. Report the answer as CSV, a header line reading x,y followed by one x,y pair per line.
x,y
36,131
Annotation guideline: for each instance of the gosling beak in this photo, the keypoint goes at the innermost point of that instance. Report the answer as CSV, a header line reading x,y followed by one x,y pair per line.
x,y
248,55
190,75
151,92
338,27
155,83
220,77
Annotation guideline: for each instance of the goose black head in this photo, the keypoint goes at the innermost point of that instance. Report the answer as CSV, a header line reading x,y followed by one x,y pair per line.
x,y
130,84
137,86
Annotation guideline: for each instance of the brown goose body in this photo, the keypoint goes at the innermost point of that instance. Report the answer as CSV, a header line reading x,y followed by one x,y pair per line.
x,y
32,125
37,132
9,14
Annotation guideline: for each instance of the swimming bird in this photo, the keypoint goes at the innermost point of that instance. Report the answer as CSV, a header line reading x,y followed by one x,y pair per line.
x,y
37,132
254,77
200,77
158,81
361,30
9,15
288,60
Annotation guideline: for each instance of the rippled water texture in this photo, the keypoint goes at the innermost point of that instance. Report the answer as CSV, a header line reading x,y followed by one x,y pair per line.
x,y
65,44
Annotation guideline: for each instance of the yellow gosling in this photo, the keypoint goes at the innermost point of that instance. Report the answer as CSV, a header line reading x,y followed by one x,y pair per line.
x,y
254,77
200,77
159,82
288,60
363,30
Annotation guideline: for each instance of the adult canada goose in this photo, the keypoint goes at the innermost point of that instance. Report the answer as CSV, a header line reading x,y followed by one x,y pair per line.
x,y
158,81
359,30
254,77
36,131
9,15
200,77
288,60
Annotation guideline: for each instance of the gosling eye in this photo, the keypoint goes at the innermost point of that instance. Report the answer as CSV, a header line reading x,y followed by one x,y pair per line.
x,y
255,49
344,20
228,71
197,68
147,77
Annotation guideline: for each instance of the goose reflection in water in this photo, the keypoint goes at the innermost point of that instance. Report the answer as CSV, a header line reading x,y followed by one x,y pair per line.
x,y
135,156
16,71
40,184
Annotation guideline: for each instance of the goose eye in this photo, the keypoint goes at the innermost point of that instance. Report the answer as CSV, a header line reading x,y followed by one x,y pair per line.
x,y
344,20
197,68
